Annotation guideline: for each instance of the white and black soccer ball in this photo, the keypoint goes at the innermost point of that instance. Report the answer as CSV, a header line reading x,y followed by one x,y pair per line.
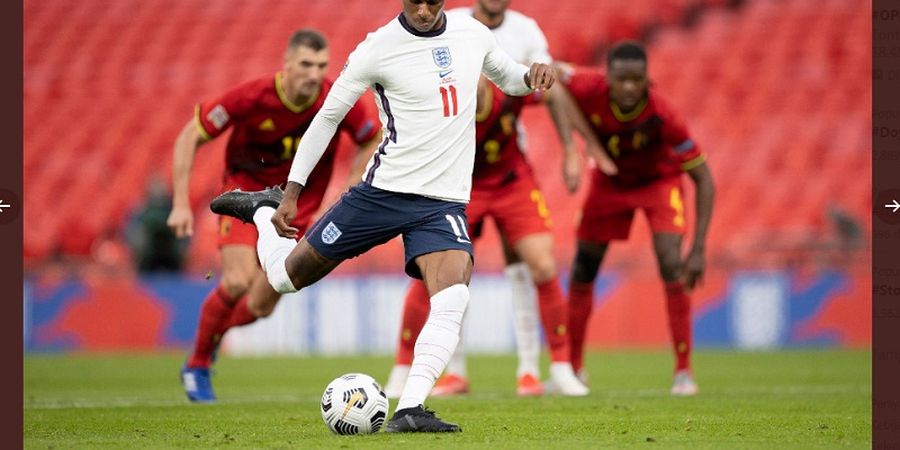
x,y
354,404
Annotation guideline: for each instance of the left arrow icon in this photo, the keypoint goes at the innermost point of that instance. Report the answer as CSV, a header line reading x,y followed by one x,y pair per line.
x,y
2,206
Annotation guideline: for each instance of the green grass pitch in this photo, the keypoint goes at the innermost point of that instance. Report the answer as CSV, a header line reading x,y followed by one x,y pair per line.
x,y
792,399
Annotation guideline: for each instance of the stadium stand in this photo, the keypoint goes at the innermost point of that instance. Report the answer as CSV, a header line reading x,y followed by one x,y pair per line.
x,y
775,92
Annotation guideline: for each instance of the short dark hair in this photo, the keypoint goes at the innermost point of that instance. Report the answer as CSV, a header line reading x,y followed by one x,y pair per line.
x,y
632,50
307,37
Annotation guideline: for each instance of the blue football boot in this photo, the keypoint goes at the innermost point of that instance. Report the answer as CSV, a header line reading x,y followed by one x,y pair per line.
x,y
197,385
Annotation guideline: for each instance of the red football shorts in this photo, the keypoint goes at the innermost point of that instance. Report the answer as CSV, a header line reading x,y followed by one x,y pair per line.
x,y
234,232
608,210
518,209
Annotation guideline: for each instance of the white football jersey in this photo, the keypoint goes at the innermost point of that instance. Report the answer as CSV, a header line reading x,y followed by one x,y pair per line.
x,y
425,88
519,36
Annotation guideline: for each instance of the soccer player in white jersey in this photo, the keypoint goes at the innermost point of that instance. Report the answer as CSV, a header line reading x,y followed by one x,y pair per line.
x,y
517,34
528,249
424,68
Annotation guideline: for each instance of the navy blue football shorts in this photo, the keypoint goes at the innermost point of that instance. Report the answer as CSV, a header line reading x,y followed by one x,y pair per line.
x,y
367,216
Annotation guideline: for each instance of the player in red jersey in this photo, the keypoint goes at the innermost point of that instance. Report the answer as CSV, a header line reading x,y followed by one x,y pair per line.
x,y
504,187
651,147
268,117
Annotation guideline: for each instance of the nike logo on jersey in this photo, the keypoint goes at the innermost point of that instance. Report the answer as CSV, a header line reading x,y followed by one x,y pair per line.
x,y
444,73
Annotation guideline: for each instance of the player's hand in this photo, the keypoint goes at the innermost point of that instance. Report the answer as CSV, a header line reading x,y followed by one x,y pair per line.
x,y
181,221
540,77
572,169
284,215
604,162
694,266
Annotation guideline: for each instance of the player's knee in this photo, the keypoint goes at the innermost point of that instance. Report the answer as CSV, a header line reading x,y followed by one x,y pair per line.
x,y
542,269
445,280
669,266
448,275
236,284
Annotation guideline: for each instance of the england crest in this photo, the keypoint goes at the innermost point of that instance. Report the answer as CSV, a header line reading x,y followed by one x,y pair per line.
x,y
442,57
331,233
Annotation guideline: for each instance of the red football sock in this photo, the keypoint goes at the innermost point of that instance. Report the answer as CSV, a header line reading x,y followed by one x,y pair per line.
x,y
240,315
679,309
214,315
581,301
553,318
416,308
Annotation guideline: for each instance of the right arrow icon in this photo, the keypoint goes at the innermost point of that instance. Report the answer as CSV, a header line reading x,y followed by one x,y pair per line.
x,y
895,206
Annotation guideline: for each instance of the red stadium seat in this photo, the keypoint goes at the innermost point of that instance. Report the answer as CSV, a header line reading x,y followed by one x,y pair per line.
x,y
108,85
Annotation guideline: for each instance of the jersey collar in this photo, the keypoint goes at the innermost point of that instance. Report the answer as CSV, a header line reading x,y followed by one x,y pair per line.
x,y
279,89
415,32
629,116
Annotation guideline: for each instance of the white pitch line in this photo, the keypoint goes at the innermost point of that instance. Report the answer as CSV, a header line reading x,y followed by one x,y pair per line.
x,y
745,390
597,394
136,402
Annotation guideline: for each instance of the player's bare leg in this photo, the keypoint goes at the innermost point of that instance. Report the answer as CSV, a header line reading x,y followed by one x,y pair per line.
x,y
588,258
678,307
239,268
536,250
446,275
261,297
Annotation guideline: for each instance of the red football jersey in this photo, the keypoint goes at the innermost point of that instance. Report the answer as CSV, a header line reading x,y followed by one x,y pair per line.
x,y
498,157
646,144
266,130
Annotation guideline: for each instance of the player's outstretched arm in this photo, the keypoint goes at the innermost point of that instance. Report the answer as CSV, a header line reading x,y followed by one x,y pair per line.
x,y
566,116
579,122
558,107
511,77
181,219
695,264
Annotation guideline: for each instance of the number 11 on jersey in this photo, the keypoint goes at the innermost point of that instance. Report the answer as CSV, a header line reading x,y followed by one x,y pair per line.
x,y
447,101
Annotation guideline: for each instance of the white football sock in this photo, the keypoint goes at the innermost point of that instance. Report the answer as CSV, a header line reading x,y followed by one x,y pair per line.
x,y
435,344
273,250
457,364
525,318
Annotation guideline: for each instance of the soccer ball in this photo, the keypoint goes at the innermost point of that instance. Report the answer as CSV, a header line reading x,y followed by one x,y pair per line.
x,y
354,404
